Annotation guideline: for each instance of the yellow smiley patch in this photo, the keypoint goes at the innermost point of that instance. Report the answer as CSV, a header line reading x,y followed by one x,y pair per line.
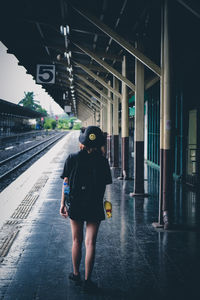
x,y
92,137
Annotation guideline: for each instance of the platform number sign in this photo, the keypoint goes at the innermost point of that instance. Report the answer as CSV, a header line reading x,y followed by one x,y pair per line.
x,y
45,74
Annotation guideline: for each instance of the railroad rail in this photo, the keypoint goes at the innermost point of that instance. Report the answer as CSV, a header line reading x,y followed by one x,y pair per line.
x,y
19,138
11,170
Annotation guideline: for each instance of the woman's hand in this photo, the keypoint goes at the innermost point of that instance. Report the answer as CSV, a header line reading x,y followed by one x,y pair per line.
x,y
63,211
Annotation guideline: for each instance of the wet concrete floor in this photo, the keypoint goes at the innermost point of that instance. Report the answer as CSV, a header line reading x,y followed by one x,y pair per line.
x,y
133,260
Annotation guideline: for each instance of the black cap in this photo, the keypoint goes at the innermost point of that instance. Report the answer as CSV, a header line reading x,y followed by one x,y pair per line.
x,y
92,137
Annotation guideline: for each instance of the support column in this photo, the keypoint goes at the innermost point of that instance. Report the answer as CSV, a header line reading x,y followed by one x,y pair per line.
x,y
167,93
104,126
165,192
104,120
115,143
101,117
139,131
109,128
160,218
96,118
125,126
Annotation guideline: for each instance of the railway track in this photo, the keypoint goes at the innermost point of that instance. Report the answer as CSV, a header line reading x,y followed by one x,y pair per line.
x,y
11,164
20,138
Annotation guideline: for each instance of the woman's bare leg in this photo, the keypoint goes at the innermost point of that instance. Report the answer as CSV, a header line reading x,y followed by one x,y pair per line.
x,y
90,243
77,238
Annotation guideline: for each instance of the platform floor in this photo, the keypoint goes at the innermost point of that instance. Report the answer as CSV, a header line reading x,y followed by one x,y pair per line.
x,y
133,260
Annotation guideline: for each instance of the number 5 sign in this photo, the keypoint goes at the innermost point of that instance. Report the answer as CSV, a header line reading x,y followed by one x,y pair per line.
x,y
45,74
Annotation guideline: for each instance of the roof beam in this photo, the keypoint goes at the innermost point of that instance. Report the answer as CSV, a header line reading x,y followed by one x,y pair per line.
x,y
190,8
61,81
107,67
87,97
109,56
86,104
98,78
83,31
89,109
149,83
99,54
95,88
120,40
62,10
81,116
42,36
80,96
91,93
91,67
84,111
113,57
96,68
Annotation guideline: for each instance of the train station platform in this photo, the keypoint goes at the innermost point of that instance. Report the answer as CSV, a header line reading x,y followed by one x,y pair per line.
x,y
133,259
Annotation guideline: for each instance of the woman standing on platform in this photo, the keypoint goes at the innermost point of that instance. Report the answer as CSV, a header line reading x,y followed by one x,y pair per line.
x,y
87,173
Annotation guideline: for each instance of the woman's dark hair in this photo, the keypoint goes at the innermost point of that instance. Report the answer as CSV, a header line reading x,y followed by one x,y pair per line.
x,y
82,129
93,149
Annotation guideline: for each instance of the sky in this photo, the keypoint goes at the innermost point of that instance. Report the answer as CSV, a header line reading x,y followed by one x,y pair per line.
x,y
14,82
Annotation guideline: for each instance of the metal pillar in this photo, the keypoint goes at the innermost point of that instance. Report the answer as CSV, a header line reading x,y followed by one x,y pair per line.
x,y
165,192
167,93
160,219
101,117
94,118
104,120
97,117
115,144
125,126
109,128
139,131
104,126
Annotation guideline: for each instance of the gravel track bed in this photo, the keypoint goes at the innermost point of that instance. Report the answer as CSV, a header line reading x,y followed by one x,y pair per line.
x,y
23,145
5,182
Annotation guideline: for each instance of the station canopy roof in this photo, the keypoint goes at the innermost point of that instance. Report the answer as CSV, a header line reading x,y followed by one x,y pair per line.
x,y
62,33
17,110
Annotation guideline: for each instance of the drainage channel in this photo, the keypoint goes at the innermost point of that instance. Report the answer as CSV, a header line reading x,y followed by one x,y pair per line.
x,y
11,227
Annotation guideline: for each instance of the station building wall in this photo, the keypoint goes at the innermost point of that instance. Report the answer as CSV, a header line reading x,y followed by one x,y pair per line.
x,y
185,126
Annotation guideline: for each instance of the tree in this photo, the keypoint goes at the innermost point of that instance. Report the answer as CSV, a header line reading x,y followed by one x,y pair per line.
x,y
42,110
71,122
53,124
77,126
63,124
29,102
49,123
